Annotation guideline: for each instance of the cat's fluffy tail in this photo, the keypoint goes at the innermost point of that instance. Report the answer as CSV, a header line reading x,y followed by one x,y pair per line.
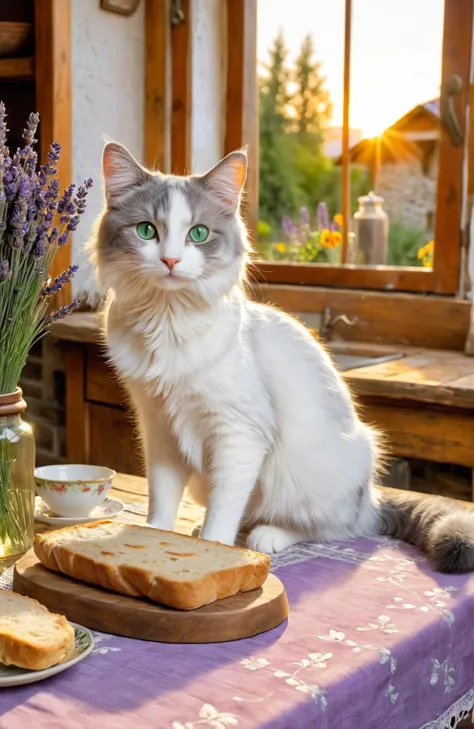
x,y
441,528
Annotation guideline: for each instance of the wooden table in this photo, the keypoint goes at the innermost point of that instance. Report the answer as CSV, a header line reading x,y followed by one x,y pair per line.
x,y
133,492
424,402
175,683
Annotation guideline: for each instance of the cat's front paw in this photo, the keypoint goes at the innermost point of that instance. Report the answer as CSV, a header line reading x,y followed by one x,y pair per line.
x,y
272,539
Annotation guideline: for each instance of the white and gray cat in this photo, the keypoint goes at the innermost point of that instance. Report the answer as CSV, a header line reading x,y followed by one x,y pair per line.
x,y
234,399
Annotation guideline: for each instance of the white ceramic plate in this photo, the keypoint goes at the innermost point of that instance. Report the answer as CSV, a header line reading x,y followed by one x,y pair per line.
x,y
108,509
13,676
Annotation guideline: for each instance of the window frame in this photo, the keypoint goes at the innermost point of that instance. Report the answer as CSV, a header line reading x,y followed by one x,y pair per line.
x,y
444,277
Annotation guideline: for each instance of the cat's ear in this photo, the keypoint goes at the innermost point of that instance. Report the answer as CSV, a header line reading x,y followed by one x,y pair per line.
x,y
227,178
121,171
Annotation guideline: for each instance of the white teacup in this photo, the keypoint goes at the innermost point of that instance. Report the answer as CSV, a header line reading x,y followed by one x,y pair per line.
x,y
73,490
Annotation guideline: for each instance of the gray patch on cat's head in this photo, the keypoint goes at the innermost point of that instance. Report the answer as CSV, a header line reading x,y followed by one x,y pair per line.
x,y
227,239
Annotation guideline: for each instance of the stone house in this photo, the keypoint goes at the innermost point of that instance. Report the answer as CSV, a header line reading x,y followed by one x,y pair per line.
x,y
404,165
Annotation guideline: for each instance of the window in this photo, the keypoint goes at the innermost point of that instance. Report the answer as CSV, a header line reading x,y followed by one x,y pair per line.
x,y
430,135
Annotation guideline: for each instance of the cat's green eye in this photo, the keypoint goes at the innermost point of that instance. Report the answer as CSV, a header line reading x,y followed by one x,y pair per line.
x,y
147,231
198,234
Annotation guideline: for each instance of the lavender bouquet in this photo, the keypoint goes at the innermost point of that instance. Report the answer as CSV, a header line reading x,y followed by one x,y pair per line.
x,y
35,220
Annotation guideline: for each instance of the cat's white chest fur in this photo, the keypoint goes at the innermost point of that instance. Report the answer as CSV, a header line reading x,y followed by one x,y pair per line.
x,y
197,373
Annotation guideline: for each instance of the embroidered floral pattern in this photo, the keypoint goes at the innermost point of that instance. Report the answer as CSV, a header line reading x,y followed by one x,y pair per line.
x,y
293,679
209,716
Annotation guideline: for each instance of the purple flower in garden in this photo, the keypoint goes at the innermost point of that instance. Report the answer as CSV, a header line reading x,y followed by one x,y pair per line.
x,y
304,216
60,281
323,216
288,226
5,272
62,312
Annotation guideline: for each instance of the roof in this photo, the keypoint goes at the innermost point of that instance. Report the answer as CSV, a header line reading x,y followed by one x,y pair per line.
x,y
404,138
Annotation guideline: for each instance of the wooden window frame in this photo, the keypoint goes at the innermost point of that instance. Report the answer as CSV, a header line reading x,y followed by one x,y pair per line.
x,y
53,102
444,277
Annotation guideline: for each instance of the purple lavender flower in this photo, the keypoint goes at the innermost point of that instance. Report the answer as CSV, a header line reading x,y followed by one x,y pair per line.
x,y
304,216
53,236
66,198
80,200
323,216
19,215
30,166
62,240
54,152
62,312
333,226
288,226
10,181
39,248
73,223
3,127
60,281
30,130
5,272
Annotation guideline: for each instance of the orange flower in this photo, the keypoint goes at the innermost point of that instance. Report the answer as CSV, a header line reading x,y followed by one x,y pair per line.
x,y
330,239
339,220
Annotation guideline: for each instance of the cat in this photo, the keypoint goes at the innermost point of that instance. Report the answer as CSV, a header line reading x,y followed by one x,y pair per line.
x,y
234,399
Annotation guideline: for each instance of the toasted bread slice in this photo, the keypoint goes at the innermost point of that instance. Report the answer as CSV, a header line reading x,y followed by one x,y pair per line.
x,y
169,568
30,636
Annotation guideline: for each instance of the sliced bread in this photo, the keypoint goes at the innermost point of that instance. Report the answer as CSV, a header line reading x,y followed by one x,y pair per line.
x,y
175,570
30,636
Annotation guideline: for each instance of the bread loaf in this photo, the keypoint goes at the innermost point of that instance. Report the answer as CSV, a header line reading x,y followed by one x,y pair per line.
x,y
30,636
175,570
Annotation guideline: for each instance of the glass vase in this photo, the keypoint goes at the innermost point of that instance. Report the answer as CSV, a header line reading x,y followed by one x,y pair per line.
x,y
17,483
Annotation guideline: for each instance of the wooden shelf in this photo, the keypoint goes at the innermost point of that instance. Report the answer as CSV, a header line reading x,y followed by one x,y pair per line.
x,y
17,68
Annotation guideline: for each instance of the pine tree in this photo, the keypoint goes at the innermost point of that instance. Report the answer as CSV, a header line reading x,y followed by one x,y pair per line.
x,y
277,192
311,101
274,96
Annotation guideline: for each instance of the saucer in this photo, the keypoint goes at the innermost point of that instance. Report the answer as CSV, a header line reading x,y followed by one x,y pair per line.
x,y
108,509
13,676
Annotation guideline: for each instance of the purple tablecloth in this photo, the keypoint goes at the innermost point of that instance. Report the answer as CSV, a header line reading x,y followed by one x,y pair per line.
x,y
375,639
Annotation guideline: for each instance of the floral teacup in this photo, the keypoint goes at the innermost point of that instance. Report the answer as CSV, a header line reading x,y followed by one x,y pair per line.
x,y
73,490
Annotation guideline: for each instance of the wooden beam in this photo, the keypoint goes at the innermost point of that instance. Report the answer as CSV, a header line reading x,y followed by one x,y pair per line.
x,y
53,101
157,98
458,23
17,68
432,434
241,111
181,90
406,319
346,168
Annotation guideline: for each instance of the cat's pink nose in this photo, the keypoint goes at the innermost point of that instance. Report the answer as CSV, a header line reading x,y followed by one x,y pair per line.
x,y
171,262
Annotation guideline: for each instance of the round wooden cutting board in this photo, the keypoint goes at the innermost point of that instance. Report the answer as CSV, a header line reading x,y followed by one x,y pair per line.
x,y
240,616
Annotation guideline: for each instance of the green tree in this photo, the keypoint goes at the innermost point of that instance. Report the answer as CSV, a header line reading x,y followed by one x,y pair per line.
x,y
311,104
277,190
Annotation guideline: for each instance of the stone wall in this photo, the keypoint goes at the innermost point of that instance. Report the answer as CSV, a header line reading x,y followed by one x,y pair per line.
x,y
410,193
44,388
